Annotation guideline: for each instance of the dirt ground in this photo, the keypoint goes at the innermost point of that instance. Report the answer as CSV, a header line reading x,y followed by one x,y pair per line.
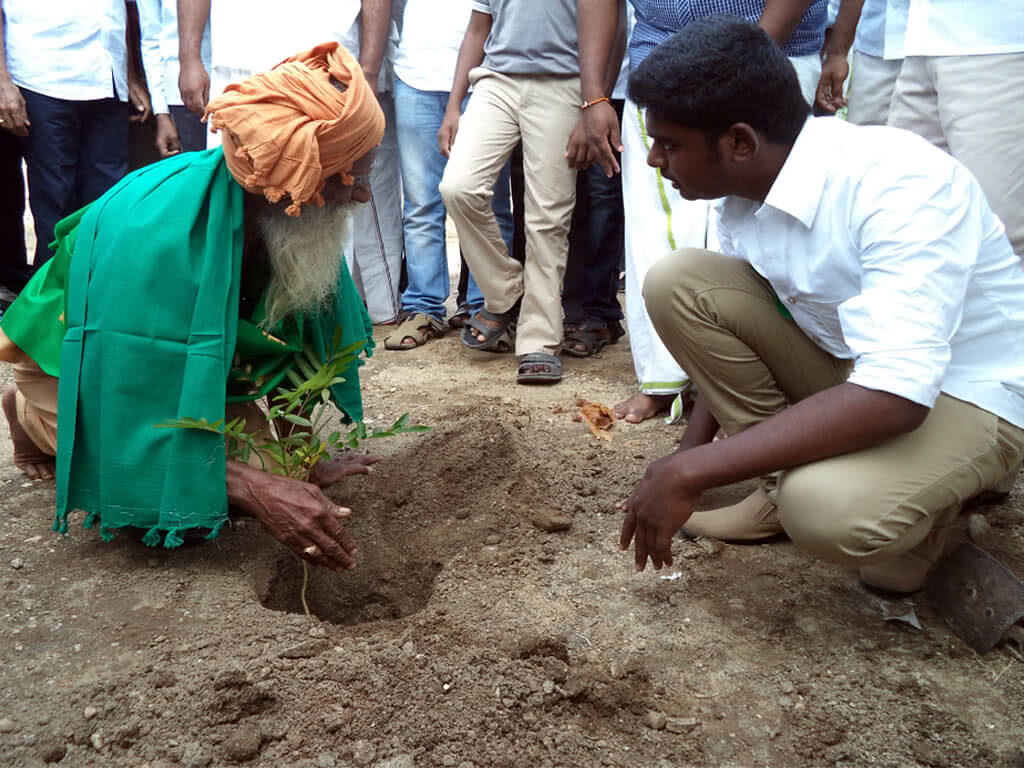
x,y
469,637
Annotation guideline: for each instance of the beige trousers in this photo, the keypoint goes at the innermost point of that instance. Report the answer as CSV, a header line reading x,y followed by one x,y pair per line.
x,y
972,107
37,404
872,82
722,322
541,111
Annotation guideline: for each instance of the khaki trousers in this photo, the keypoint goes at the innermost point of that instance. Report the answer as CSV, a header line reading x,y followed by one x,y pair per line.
x,y
872,82
540,111
722,322
972,107
37,404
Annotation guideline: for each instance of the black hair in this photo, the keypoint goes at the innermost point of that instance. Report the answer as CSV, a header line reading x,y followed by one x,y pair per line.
x,y
721,70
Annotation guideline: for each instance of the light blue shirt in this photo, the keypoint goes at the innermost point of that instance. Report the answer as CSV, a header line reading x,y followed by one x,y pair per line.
x,y
159,22
68,49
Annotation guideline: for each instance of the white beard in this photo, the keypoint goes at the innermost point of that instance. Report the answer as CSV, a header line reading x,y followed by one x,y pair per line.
x,y
305,257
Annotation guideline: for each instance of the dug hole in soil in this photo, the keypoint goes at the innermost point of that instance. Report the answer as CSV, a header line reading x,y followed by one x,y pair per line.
x,y
468,636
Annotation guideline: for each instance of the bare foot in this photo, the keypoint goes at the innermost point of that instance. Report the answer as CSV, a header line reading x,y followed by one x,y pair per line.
x,y
27,456
641,407
327,473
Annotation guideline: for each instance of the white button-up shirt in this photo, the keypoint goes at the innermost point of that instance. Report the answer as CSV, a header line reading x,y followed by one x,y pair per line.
x,y
953,27
885,251
68,49
159,22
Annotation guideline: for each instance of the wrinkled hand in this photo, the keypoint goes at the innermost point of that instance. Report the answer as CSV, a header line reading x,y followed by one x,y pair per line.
x,y
299,516
577,152
327,473
12,108
167,141
601,124
829,95
655,511
138,96
446,134
194,85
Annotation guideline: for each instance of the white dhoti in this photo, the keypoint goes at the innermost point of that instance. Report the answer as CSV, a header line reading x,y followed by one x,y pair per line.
x,y
658,222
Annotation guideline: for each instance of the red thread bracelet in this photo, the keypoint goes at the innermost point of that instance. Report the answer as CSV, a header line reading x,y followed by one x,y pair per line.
x,y
589,104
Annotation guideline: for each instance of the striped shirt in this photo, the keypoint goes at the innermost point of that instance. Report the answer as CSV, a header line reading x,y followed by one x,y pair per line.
x,y
658,20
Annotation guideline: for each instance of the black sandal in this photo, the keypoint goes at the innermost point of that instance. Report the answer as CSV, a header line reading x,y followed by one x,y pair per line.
x,y
588,338
499,332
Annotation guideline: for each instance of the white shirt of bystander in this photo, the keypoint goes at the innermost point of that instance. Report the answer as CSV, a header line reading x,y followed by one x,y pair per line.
x,y
68,49
159,22
431,36
885,251
953,27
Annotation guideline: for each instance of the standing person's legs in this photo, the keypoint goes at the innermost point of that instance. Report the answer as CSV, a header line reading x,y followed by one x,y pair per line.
x,y
103,149
872,82
658,221
981,110
418,118
191,130
51,157
488,132
915,102
14,268
377,227
548,115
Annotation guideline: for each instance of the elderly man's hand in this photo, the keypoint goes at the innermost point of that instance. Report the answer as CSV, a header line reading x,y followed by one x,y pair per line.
x,y
327,473
657,508
296,513
13,113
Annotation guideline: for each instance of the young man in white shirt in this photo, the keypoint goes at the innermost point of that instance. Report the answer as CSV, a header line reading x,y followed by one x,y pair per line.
x,y
861,333
65,81
962,88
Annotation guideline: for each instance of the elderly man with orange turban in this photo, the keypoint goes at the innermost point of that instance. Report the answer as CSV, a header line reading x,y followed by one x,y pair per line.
x,y
183,274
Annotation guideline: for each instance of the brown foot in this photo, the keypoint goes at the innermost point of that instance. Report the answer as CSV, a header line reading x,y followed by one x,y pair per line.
x,y
27,456
641,407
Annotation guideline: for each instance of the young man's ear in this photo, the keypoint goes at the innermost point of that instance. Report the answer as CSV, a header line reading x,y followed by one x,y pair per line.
x,y
740,143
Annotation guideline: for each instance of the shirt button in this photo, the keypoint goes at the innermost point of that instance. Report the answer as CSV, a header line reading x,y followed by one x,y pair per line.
x,y
791,300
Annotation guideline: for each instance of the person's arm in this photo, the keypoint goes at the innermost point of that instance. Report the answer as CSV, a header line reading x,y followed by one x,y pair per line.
x,y
597,22
374,24
193,79
471,54
780,18
152,61
296,513
13,112
138,92
835,65
836,421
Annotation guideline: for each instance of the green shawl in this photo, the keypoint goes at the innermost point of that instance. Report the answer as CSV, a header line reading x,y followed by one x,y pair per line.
x,y
138,312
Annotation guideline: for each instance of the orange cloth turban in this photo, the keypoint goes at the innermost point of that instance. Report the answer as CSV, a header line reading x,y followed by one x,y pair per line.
x,y
291,128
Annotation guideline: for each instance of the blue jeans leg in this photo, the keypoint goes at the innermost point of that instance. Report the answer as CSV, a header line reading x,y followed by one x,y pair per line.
x,y
75,151
191,130
418,118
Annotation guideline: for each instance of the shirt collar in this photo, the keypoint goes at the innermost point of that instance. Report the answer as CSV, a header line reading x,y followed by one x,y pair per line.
x,y
799,186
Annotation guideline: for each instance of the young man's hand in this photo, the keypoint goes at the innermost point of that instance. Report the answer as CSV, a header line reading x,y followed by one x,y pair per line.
x,y
834,71
657,508
194,84
601,124
577,151
167,141
138,97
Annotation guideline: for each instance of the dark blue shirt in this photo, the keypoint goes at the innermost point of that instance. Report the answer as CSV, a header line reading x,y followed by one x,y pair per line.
x,y
658,20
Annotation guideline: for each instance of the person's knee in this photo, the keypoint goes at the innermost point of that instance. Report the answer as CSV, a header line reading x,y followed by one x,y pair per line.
x,y
460,196
668,285
834,523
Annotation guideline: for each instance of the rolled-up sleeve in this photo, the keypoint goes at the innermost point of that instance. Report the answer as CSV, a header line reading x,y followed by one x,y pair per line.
x,y
919,245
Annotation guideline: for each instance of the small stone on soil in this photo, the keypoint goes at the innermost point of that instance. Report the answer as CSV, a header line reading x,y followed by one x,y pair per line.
x,y
492,540
243,744
17,563
363,752
52,751
96,740
305,650
7,725
326,760
550,521
978,528
681,724
90,712
656,721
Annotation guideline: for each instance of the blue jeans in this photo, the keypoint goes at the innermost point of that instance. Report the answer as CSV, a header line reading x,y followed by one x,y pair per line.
x,y
191,130
418,119
75,151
